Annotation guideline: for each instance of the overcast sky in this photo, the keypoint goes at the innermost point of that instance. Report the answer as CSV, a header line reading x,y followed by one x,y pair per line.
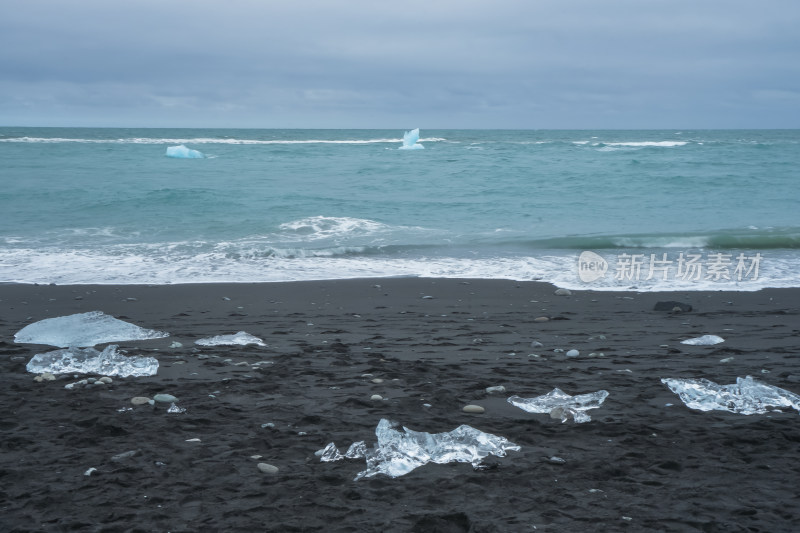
x,y
401,64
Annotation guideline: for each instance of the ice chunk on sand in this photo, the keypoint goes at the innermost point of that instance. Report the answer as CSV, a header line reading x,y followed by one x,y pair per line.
x,y
705,340
561,405
182,152
241,338
109,362
745,397
401,450
83,329
410,139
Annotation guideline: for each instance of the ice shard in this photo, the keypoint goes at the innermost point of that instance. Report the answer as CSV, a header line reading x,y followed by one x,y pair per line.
x,y
705,340
745,397
182,152
400,450
82,330
410,140
561,405
241,338
109,362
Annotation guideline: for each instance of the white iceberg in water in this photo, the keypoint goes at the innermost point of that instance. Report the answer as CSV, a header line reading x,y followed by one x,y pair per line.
x,y
401,450
745,397
410,139
83,329
241,338
561,405
705,340
181,152
109,362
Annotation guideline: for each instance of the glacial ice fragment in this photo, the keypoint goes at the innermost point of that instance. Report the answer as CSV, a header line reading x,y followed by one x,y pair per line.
x,y
561,405
181,152
410,139
745,397
83,329
399,451
109,362
241,338
705,340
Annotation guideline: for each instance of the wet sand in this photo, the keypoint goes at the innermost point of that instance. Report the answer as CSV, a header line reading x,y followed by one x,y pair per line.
x,y
644,463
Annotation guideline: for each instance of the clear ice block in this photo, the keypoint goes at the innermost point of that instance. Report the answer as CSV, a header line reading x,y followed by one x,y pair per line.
x,y
746,397
83,330
561,405
705,340
90,361
401,450
241,338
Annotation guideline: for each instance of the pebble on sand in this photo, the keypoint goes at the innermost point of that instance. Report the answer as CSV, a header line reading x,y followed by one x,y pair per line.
x,y
165,398
541,319
140,400
376,397
498,388
477,409
563,292
267,468
573,353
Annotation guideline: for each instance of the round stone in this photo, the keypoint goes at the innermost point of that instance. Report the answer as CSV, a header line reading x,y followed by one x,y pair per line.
x,y
140,400
376,397
563,292
377,380
573,353
498,389
268,468
476,409
105,379
165,398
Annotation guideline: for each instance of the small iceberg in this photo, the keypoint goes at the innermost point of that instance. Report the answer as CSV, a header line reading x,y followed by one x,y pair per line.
x,y
745,397
109,362
561,405
241,338
410,140
82,330
400,450
181,152
705,340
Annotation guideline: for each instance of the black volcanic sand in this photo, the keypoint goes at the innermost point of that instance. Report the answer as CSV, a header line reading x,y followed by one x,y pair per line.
x,y
639,465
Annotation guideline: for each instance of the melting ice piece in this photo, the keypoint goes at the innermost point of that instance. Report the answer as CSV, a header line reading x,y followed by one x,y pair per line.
x,y
745,397
561,405
410,139
83,329
89,361
241,338
182,152
705,340
399,451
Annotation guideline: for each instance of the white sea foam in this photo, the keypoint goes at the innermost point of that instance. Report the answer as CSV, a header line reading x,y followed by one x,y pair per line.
x,y
698,241
649,143
178,263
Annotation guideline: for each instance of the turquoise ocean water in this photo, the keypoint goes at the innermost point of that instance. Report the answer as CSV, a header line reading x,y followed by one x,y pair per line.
x,y
659,210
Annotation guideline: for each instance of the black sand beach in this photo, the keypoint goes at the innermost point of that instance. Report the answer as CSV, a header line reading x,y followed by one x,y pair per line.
x,y
639,465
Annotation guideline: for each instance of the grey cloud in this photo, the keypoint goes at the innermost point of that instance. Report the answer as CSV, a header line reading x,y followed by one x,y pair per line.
x,y
619,63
